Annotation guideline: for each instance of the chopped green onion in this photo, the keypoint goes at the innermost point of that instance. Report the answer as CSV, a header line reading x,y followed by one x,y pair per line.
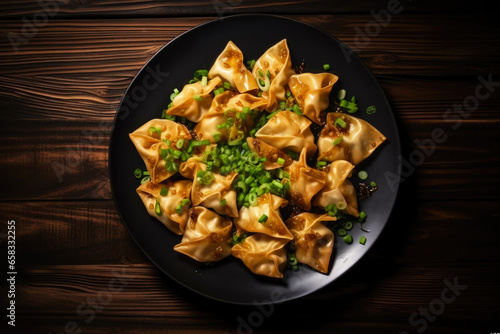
x,y
348,225
373,184
362,217
321,163
362,240
219,91
197,98
223,202
337,141
348,239
280,161
152,130
253,200
180,143
158,208
204,80
264,84
263,218
164,191
341,94
145,179
296,109
341,205
138,173
326,67
217,136
371,110
277,184
251,64
261,74
363,175
341,232
185,201
341,122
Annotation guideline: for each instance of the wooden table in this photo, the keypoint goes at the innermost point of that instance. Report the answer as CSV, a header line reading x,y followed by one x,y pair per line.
x,y
64,66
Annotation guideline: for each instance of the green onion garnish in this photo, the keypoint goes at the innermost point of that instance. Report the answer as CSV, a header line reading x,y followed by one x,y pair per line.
x,y
326,67
164,191
138,173
337,141
341,94
363,175
223,202
362,240
197,98
320,164
180,143
341,232
217,136
341,122
204,80
296,109
348,239
152,130
158,208
348,225
373,184
263,218
362,217
219,91
280,161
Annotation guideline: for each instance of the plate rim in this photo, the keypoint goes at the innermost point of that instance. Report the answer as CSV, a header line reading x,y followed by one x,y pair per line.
x,y
396,141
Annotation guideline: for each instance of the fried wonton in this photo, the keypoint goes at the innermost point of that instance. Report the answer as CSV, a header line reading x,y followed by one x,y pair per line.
x,y
262,254
313,240
312,93
273,225
149,140
272,154
223,106
206,236
305,182
161,204
231,68
194,100
338,189
287,130
218,195
355,139
274,68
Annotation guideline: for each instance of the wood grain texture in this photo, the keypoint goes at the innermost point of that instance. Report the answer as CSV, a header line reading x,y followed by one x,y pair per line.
x,y
91,233
68,159
155,8
394,280
121,47
80,270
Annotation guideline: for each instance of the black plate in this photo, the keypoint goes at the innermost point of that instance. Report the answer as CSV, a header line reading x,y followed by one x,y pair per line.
x,y
171,67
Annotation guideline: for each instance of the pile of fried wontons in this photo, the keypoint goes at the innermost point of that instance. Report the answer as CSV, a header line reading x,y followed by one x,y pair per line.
x,y
207,214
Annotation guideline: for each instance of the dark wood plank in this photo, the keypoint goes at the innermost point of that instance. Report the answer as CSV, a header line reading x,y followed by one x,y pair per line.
x,y
121,47
58,96
90,232
153,8
139,298
68,159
